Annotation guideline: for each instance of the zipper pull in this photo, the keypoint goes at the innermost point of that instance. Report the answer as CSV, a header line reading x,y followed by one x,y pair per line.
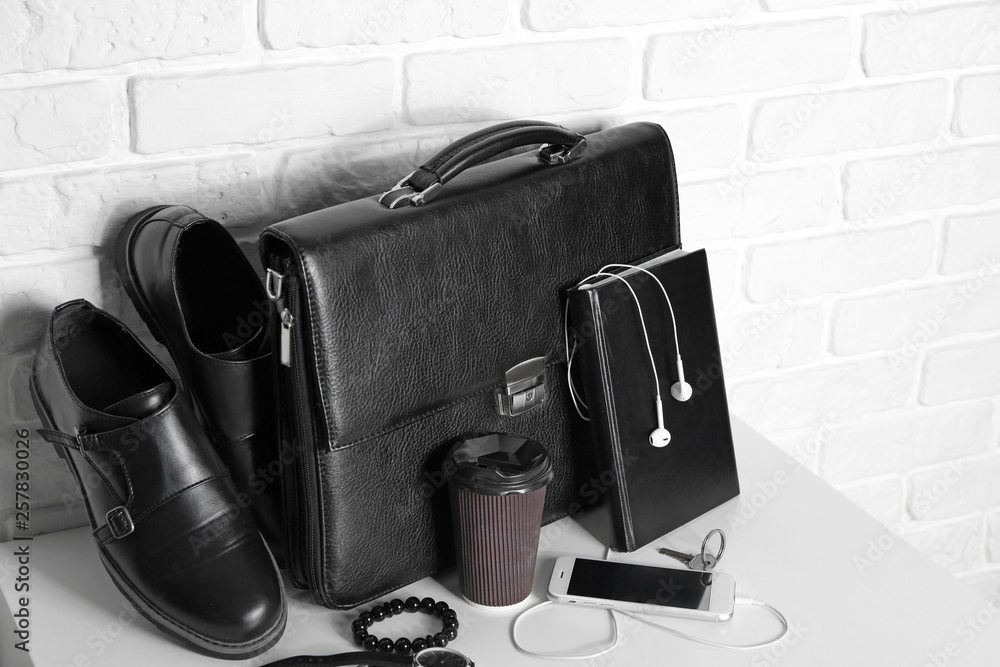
x,y
273,285
287,320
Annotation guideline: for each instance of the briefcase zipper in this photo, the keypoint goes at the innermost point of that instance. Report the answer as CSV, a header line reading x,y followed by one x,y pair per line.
x,y
287,320
274,285
289,353
306,449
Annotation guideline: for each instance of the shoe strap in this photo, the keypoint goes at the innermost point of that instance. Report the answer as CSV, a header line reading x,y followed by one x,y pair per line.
x,y
59,438
156,459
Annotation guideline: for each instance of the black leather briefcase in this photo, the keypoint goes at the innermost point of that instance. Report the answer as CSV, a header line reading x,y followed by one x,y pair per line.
x,y
435,310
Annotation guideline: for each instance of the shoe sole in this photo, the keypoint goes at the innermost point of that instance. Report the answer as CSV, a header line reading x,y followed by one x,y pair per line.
x,y
168,626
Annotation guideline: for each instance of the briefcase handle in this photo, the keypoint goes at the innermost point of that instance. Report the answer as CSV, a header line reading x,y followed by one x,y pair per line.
x,y
559,145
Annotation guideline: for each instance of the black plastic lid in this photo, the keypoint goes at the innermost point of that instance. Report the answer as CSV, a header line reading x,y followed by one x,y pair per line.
x,y
498,464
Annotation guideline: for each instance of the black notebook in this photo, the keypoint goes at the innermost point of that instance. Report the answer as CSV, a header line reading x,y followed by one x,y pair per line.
x,y
656,490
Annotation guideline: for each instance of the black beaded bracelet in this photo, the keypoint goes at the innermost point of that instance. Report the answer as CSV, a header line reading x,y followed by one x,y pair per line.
x,y
404,646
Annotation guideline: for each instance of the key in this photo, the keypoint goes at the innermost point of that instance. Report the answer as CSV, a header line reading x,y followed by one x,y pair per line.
x,y
703,561
679,555
693,561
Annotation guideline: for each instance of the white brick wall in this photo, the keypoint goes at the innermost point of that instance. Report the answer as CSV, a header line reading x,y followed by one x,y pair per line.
x,y
959,371
743,206
908,41
802,398
702,138
882,498
907,440
316,23
86,207
928,179
514,81
78,34
955,546
726,58
840,159
554,15
840,262
52,124
976,100
826,121
260,105
970,243
906,319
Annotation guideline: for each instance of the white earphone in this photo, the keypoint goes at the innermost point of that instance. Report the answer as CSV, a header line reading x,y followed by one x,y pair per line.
x,y
680,390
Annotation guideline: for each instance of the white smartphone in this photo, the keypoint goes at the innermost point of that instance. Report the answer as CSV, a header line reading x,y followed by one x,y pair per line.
x,y
708,596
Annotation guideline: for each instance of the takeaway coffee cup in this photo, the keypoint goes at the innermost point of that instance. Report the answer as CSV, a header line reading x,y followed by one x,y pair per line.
x,y
497,484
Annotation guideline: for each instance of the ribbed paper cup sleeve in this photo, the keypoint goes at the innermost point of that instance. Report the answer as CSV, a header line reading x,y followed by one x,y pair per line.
x,y
497,542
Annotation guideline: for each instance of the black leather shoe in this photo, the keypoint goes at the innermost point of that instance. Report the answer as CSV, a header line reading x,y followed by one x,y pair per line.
x,y
162,506
201,299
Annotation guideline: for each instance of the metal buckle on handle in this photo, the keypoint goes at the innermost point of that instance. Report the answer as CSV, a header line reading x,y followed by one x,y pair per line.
x,y
427,194
403,183
557,154
401,194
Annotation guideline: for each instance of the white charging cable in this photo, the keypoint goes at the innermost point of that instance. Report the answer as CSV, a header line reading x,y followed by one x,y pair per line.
x,y
557,656
616,637
740,599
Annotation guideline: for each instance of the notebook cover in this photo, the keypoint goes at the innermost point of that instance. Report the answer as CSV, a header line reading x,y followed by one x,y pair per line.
x,y
656,490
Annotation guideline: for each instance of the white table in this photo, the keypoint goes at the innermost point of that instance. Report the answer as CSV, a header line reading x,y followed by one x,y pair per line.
x,y
798,548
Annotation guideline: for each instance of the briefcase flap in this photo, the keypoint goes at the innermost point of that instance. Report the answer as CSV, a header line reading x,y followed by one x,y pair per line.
x,y
412,309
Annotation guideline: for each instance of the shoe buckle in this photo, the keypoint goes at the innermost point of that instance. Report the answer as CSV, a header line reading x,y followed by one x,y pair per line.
x,y
120,522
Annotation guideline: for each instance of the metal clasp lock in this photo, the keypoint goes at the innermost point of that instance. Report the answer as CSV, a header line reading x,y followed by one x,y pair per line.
x,y
524,388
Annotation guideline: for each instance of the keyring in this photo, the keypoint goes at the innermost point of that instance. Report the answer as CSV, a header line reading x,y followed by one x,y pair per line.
x,y
703,561
705,556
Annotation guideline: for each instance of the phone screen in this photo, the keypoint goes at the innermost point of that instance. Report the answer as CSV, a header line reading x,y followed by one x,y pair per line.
x,y
608,580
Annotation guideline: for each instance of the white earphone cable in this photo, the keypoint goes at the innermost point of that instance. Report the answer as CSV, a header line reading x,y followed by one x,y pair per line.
x,y
642,321
616,637
733,647
645,332
555,656
575,396
670,306
570,353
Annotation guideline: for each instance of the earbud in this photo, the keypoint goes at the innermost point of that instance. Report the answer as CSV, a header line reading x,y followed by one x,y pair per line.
x,y
660,437
681,390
